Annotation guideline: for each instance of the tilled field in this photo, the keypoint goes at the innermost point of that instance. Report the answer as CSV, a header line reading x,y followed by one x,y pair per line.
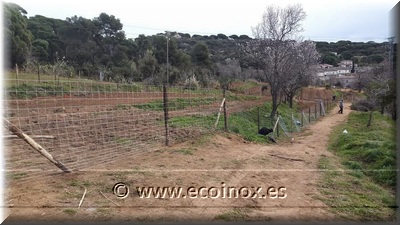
x,y
96,130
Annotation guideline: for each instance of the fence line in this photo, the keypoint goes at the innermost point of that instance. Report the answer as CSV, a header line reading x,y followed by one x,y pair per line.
x,y
95,123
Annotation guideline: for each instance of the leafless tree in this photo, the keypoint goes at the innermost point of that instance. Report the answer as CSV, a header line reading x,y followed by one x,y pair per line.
x,y
280,24
228,71
298,74
381,89
274,48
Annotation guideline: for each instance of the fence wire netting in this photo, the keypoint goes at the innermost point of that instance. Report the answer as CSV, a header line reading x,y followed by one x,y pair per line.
x,y
88,124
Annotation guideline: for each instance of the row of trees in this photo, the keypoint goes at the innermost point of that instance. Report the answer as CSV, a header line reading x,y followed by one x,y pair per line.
x,y
99,45
360,52
277,54
380,89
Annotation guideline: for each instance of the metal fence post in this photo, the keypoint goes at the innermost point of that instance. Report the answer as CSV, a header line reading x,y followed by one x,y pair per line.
x,y
258,118
315,112
165,101
309,115
320,108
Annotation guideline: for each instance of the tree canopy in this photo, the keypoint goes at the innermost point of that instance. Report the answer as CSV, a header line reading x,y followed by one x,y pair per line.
x,y
90,46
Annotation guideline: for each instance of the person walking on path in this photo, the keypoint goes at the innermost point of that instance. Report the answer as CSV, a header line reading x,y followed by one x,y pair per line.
x,y
341,107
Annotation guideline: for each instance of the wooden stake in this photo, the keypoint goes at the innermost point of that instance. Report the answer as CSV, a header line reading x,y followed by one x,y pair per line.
x,y
16,73
281,157
15,130
83,196
276,123
219,113
108,198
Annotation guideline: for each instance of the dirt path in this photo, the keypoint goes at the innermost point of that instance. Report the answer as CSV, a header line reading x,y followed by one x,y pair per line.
x,y
207,162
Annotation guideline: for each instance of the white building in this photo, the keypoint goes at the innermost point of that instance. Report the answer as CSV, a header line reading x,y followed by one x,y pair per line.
x,y
326,73
346,63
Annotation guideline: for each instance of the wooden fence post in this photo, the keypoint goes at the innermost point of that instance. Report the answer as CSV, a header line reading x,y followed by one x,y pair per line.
x,y
277,128
16,73
15,130
225,118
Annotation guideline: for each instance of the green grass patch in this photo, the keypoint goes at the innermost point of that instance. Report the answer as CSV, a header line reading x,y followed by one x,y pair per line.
x,y
77,183
246,123
28,86
243,123
352,195
237,97
185,151
200,91
123,107
233,215
11,77
337,93
123,140
16,176
244,86
359,185
71,212
194,121
28,91
369,149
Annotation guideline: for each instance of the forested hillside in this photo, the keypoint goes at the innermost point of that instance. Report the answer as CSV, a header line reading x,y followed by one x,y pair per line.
x,y
90,46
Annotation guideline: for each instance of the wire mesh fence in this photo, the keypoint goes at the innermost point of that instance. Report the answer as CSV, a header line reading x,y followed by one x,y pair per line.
x,y
299,120
89,124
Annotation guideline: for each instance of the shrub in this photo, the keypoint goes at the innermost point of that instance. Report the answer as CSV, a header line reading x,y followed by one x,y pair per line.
x,y
191,83
362,105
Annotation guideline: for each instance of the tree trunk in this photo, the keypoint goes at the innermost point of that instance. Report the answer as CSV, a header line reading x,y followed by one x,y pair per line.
x,y
38,72
394,116
290,97
274,104
370,118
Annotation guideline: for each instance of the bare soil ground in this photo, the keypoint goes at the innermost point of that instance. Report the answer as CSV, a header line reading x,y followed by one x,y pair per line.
x,y
205,162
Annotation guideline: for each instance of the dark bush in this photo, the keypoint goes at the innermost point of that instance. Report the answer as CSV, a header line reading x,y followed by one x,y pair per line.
x,y
362,105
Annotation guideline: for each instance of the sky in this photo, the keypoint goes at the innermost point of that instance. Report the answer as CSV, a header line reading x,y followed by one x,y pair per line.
x,y
327,20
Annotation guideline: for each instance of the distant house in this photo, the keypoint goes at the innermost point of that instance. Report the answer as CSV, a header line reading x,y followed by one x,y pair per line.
x,y
177,36
345,81
324,66
345,63
326,73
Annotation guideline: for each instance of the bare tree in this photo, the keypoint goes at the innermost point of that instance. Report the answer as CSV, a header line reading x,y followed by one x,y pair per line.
x,y
381,90
272,51
228,71
298,74
280,24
